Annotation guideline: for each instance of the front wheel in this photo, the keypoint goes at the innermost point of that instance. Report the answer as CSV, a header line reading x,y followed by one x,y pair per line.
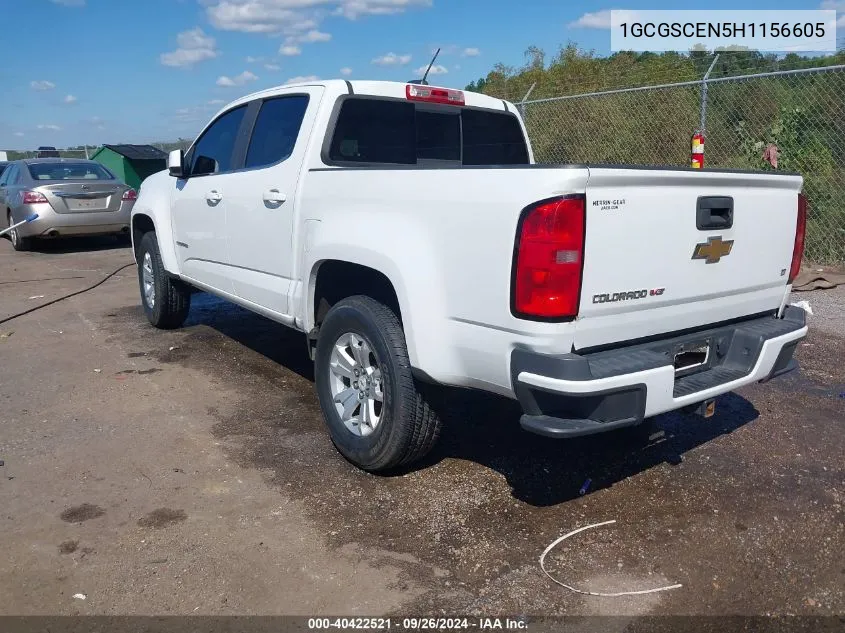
x,y
166,300
377,416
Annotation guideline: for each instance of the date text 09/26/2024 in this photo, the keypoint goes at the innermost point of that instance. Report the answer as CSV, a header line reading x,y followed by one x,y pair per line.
x,y
418,624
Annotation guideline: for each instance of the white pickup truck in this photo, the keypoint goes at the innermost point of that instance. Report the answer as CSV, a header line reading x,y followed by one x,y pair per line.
x,y
407,231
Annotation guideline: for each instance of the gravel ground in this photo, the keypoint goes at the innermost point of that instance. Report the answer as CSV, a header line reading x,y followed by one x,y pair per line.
x,y
189,472
828,308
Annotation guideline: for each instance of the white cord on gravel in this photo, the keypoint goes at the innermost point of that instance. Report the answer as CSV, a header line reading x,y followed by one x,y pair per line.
x,y
594,593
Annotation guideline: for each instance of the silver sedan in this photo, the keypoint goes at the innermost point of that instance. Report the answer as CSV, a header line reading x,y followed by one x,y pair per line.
x,y
70,197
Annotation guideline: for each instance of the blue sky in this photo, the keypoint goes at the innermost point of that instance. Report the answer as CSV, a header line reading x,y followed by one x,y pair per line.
x,y
94,71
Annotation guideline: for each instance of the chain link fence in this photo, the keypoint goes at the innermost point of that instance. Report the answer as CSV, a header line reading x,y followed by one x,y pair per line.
x,y
801,113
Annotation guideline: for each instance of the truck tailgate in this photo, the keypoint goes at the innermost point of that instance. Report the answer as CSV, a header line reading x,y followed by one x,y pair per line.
x,y
668,250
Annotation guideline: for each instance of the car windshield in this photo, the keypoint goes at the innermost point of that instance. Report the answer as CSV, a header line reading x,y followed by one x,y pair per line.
x,y
68,171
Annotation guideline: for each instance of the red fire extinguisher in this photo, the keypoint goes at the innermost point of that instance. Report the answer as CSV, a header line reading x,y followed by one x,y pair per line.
x,y
697,151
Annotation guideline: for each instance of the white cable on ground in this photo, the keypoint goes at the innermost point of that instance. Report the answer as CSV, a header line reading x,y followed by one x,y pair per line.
x,y
594,593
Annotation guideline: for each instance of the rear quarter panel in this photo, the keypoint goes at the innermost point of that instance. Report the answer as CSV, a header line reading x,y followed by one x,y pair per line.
x,y
445,239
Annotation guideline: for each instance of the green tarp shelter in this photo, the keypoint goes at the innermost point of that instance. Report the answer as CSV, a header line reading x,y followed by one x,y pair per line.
x,y
131,163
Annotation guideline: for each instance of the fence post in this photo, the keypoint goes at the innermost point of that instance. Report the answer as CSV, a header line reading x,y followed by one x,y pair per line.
x,y
521,105
703,122
86,153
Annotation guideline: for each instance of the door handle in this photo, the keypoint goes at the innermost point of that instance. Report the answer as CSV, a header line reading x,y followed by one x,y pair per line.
x,y
274,196
214,196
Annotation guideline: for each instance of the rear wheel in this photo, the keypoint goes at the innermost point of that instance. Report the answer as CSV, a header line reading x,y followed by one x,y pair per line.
x,y
166,300
19,243
377,415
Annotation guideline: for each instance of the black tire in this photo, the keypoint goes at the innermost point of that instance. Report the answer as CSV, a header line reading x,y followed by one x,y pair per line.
x,y
18,243
171,298
408,427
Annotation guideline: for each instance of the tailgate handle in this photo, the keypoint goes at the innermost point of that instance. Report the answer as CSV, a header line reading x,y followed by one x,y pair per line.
x,y
714,213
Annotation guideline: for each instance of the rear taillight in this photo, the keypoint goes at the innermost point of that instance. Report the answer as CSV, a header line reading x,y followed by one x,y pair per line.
x,y
129,195
800,231
549,259
33,197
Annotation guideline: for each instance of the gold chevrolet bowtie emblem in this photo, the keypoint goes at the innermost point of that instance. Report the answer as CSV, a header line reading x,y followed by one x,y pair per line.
x,y
713,249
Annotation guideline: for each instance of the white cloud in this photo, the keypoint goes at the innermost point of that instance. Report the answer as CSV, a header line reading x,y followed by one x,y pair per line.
x,y
70,99
290,51
251,16
354,8
314,36
437,69
272,67
70,3
836,5
238,80
599,19
49,126
187,115
42,86
19,134
194,47
295,17
302,79
254,60
215,102
346,71
471,52
392,59
195,38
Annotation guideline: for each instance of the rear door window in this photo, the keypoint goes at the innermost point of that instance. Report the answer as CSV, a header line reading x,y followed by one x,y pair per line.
x,y
11,175
275,131
390,131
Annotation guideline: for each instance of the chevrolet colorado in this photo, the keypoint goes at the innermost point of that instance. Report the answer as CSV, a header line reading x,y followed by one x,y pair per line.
x,y
406,230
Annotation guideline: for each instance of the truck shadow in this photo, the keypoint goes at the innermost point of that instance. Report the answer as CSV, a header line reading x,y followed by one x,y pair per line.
x,y
484,428
543,472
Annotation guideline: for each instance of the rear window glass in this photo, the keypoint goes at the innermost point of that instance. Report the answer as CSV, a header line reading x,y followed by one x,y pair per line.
x,y
491,138
68,171
400,132
438,136
375,131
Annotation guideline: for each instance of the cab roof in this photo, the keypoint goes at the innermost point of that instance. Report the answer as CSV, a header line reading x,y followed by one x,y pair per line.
x,y
389,89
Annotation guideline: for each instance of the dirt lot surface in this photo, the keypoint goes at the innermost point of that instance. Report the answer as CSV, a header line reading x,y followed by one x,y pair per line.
x,y
189,472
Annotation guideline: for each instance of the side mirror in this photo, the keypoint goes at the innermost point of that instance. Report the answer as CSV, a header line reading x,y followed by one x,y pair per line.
x,y
174,163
